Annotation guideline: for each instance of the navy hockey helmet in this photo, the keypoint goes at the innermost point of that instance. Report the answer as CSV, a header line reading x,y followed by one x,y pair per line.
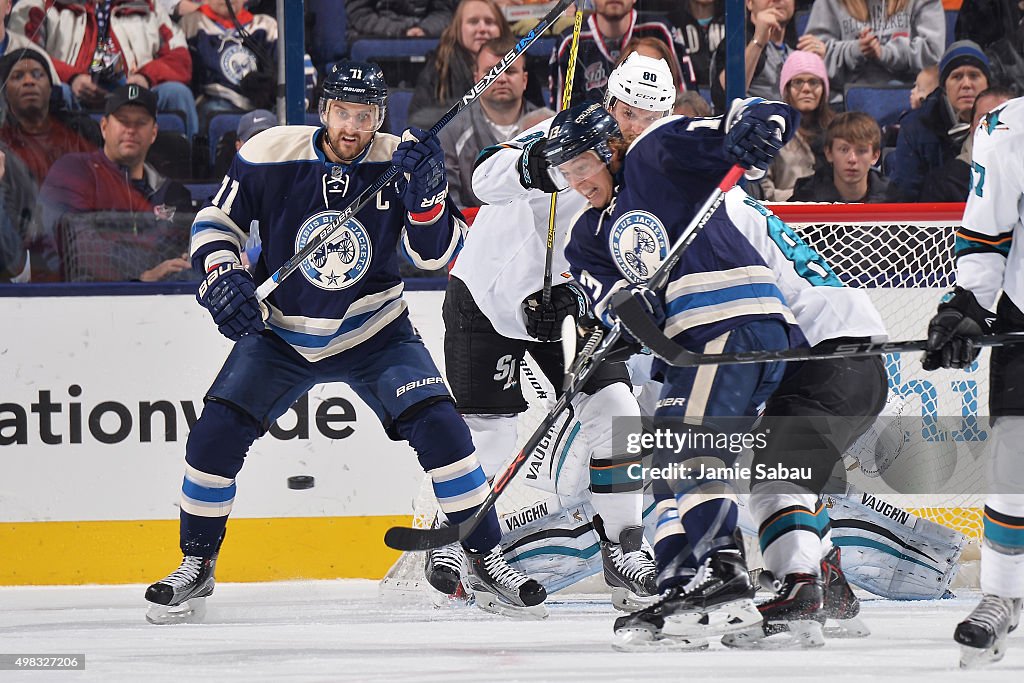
x,y
575,130
358,82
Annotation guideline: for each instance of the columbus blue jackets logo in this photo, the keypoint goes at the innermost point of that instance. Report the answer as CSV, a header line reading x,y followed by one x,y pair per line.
x,y
236,62
340,261
638,243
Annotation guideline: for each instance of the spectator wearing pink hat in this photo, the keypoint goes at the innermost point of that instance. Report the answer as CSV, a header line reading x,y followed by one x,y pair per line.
x,y
803,83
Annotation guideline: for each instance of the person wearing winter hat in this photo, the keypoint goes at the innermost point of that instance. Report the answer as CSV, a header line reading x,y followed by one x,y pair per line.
x,y
804,85
933,134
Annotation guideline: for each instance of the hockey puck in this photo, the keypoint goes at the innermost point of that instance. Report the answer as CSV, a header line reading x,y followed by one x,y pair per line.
x,y
302,481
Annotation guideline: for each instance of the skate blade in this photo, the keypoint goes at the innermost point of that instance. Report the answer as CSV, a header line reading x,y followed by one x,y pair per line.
x,y
460,599
642,640
846,628
489,603
191,611
626,600
728,617
789,635
976,657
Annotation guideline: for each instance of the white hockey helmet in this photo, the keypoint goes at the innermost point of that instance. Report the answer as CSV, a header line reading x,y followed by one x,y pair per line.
x,y
642,82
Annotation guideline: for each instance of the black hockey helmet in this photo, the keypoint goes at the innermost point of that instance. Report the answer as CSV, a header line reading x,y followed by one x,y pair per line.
x,y
359,82
575,130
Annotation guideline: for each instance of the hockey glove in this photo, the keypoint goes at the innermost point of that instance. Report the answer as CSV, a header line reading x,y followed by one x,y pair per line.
x,y
755,132
422,159
655,309
534,167
229,293
953,331
544,323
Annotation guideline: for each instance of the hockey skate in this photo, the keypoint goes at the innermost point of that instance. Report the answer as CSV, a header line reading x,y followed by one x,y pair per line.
x,y
629,569
982,635
641,631
445,569
792,618
717,601
841,604
499,588
181,597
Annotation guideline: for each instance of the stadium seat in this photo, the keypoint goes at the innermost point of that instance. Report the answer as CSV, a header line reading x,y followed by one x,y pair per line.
x,y
219,125
327,41
951,15
201,192
171,121
800,20
884,104
171,155
542,48
398,110
401,60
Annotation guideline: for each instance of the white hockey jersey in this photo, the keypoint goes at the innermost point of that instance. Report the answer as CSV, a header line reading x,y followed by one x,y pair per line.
x,y
988,257
502,260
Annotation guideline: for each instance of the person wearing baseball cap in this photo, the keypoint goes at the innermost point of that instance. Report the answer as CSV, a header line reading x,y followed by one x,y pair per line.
x,y
253,122
933,134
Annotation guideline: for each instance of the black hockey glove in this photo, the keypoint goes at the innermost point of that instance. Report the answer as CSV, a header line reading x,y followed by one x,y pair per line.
x,y
544,323
753,143
533,168
422,158
229,293
655,309
953,331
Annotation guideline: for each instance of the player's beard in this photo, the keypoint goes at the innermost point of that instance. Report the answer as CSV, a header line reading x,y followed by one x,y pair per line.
x,y
341,155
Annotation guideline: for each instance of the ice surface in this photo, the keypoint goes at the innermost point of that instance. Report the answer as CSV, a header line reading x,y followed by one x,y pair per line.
x,y
341,631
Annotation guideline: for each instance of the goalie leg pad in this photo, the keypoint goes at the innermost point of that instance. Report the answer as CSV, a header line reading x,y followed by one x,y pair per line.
x,y
889,551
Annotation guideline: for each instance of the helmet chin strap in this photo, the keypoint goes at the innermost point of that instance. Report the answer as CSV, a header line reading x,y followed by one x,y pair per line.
x,y
342,157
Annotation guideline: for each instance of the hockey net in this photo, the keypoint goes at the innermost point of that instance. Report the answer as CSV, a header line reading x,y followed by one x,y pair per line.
x,y
903,254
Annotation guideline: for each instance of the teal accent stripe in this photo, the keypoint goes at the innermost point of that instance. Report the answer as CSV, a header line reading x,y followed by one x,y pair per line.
x,y
565,451
793,520
609,476
1002,248
1005,536
849,541
585,553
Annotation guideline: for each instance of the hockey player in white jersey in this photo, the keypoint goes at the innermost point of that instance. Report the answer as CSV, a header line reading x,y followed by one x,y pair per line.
x,y
989,261
340,318
743,284
493,314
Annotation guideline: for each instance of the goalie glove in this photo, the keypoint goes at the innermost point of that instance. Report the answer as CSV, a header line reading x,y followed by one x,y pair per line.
x,y
655,309
426,186
534,168
229,293
952,332
544,323
755,131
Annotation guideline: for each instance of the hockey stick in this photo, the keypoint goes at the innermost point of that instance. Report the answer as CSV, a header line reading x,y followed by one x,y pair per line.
x,y
590,358
636,319
292,264
549,251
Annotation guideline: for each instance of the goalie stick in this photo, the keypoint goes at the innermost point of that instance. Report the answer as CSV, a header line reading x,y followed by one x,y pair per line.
x,y
292,264
634,317
590,358
408,538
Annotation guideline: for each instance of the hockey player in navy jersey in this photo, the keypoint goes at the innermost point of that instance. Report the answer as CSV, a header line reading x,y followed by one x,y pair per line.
x,y
743,284
988,276
493,316
340,317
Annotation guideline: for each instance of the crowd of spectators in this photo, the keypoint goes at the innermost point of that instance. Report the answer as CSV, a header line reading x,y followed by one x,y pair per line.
x,y
74,139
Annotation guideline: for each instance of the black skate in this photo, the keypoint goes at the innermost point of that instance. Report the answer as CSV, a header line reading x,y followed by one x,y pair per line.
x,y
719,600
982,635
841,604
629,569
641,631
181,597
501,589
792,618
444,566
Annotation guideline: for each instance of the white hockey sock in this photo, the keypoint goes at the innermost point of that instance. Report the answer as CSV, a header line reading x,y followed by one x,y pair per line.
x,y
494,437
787,527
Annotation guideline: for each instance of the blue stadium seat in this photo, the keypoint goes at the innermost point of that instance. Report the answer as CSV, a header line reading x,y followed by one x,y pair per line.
x,y
398,110
327,42
543,47
800,21
170,122
366,49
884,104
951,15
219,125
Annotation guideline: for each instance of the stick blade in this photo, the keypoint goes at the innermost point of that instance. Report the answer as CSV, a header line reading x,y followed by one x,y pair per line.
x,y
406,538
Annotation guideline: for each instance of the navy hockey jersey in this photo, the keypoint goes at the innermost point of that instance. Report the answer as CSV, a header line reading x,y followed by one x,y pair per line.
x,y
745,264
349,289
